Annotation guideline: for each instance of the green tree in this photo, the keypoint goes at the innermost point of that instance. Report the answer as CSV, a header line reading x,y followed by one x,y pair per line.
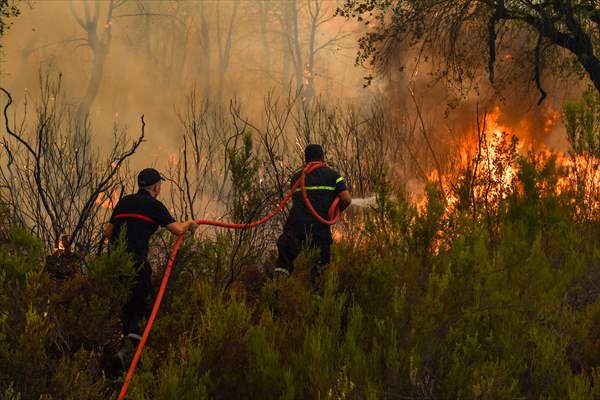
x,y
459,33
8,9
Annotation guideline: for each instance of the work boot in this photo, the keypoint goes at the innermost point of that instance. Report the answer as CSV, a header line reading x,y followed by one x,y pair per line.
x,y
280,274
127,350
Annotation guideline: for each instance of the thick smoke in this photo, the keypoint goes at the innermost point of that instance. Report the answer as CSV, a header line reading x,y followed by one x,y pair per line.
x,y
158,51
451,100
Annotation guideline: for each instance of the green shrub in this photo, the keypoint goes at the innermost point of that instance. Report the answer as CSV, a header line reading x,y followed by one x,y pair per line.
x,y
471,301
53,333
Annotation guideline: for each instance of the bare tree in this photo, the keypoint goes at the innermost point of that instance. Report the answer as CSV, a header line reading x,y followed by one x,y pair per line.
x,y
98,39
54,182
204,56
214,34
224,41
263,14
199,171
304,50
367,144
215,176
165,30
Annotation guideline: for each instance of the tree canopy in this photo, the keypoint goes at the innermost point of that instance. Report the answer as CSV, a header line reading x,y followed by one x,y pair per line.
x,y
8,9
465,36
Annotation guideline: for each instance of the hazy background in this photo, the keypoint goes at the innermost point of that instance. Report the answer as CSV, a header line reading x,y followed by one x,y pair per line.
x,y
125,58
157,51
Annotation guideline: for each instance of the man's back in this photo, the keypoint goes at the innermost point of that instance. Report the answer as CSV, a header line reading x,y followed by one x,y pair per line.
x,y
322,186
141,215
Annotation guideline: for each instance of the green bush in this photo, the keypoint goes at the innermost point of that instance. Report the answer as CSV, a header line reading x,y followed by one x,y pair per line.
x,y
493,298
54,333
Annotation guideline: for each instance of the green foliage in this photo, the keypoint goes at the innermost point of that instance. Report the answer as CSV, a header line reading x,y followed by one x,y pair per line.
x,y
22,256
8,9
77,376
434,302
463,40
582,120
101,293
10,394
24,322
244,168
53,333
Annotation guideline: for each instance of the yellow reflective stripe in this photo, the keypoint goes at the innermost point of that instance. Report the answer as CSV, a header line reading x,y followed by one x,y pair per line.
x,y
338,180
316,188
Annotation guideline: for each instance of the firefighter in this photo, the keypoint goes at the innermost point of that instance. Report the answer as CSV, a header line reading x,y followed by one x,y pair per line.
x,y
140,215
302,229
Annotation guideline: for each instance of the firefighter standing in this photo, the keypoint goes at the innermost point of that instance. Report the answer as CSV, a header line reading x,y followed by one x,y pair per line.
x,y
141,214
302,229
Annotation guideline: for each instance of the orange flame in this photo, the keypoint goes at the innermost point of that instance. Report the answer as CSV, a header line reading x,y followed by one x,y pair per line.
x,y
105,201
485,153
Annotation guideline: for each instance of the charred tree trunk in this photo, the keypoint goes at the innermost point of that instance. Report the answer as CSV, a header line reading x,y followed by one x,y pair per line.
x,y
295,49
591,64
99,46
224,47
203,63
264,19
309,81
94,82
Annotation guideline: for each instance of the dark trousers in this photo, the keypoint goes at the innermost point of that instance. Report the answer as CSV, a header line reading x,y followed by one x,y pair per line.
x,y
291,242
138,305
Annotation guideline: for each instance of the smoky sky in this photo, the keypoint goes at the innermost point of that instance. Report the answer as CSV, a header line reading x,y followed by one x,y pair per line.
x,y
157,51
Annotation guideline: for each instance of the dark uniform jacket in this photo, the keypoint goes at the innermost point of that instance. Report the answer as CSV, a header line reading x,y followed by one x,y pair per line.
x,y
322,185
139,230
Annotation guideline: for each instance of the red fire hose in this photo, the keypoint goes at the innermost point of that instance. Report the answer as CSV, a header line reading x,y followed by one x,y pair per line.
x,y
333,215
